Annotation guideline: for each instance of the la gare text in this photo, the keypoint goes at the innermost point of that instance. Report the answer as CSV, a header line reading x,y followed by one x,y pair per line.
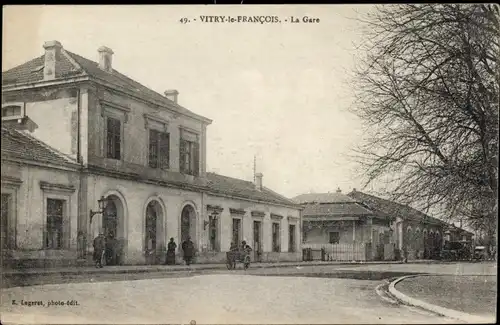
x,y
305,19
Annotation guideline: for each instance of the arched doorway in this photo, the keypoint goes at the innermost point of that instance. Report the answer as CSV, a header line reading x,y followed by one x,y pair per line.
x,y
112,227
188,223
154,243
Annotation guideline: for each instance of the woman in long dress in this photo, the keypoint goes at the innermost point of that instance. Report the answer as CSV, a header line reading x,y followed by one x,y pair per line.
x,y
171,252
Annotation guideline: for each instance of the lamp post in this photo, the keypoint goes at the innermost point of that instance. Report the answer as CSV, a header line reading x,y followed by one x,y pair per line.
x,y
102,202
213,216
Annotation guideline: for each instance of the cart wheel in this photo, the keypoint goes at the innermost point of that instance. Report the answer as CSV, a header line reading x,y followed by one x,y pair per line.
x,y
246,262
229,264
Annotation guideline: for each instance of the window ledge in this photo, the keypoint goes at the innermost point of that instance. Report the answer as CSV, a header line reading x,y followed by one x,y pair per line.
x,y
57,187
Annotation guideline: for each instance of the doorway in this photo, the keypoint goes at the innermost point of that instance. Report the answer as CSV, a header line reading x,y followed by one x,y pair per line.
x,y
188,223
151,229
257,240
110,227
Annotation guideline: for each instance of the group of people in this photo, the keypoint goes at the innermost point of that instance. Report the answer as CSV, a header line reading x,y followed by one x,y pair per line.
x,y
188,251
104,249
244,247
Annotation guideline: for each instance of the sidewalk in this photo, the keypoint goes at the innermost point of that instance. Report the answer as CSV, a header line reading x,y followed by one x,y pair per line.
x,y
177,268
463,297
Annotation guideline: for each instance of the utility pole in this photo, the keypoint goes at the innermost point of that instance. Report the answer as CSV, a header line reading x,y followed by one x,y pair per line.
x,y
254,167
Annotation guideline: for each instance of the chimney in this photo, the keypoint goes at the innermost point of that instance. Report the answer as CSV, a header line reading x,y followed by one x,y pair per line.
x,y
172,95
52,54
354,190
105,58
339,190
258,181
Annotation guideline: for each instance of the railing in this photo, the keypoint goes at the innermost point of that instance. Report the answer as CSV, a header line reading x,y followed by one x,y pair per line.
x,y
338,252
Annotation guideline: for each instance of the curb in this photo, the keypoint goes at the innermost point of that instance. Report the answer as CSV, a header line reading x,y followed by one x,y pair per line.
x,y
451,313
77,271
165,270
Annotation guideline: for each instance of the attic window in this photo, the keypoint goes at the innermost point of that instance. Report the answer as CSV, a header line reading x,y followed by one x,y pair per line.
x,y
12,111
37,69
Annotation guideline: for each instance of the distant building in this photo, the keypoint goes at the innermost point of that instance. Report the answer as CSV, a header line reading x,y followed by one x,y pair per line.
x,y
347,229
360,226
140,151
415,232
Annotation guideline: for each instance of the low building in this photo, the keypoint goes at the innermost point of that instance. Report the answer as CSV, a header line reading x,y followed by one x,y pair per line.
x,y
416,233
140,164
40,189
344,228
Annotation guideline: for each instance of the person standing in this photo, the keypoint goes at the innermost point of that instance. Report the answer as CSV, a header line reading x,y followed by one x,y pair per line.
x,y
99,247
171,252
188,250
111,249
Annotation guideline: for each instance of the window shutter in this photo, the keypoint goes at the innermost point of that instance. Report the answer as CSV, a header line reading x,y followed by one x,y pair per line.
x,y
196,159
164,150
117,131
153,147
182,155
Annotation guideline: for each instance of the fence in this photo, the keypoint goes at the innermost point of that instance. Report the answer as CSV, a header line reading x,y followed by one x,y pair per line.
x,y
336,252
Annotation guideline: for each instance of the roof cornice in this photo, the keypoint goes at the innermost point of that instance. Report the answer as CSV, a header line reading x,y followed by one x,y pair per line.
x,y
145,99
64,166
43,83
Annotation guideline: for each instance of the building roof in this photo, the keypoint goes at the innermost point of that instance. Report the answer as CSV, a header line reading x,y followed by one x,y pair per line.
x,y
391,208
70,65
317,205
335,209
246,189
323,198
20,145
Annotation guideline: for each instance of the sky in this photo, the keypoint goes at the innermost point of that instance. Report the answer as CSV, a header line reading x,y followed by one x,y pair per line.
x,y
279,92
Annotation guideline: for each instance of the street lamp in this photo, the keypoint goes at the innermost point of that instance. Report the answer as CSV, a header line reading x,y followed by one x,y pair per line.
x,y
214,217
103,202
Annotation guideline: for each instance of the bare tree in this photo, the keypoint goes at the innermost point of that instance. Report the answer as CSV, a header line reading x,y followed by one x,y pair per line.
x,y
427,92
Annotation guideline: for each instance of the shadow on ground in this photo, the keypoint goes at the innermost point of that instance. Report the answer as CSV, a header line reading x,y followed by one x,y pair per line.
x,y
22,280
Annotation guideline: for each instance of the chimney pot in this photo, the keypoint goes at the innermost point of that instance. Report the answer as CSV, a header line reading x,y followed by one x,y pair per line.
x,y
172,94
105,58
258,181
52,53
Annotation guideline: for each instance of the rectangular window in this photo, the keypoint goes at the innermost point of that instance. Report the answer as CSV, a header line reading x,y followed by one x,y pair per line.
x,y
236,231
159,149
189,157
54,227
276,237
5,221
334,237
291,238
113,138
11,111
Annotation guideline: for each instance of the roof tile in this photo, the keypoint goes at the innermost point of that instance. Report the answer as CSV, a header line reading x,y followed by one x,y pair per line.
x,y
17,144
238,187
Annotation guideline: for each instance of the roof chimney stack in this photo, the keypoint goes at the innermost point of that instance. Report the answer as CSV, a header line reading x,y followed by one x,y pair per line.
x,y
339,190
258,181
105,58
172,95
52,54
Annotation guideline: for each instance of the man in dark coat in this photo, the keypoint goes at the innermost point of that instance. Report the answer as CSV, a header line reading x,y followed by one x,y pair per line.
x,y
99,246
171,252
111,244
188,250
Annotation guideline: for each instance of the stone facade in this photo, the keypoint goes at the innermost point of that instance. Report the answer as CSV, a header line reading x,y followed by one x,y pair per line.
x,y
103,122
